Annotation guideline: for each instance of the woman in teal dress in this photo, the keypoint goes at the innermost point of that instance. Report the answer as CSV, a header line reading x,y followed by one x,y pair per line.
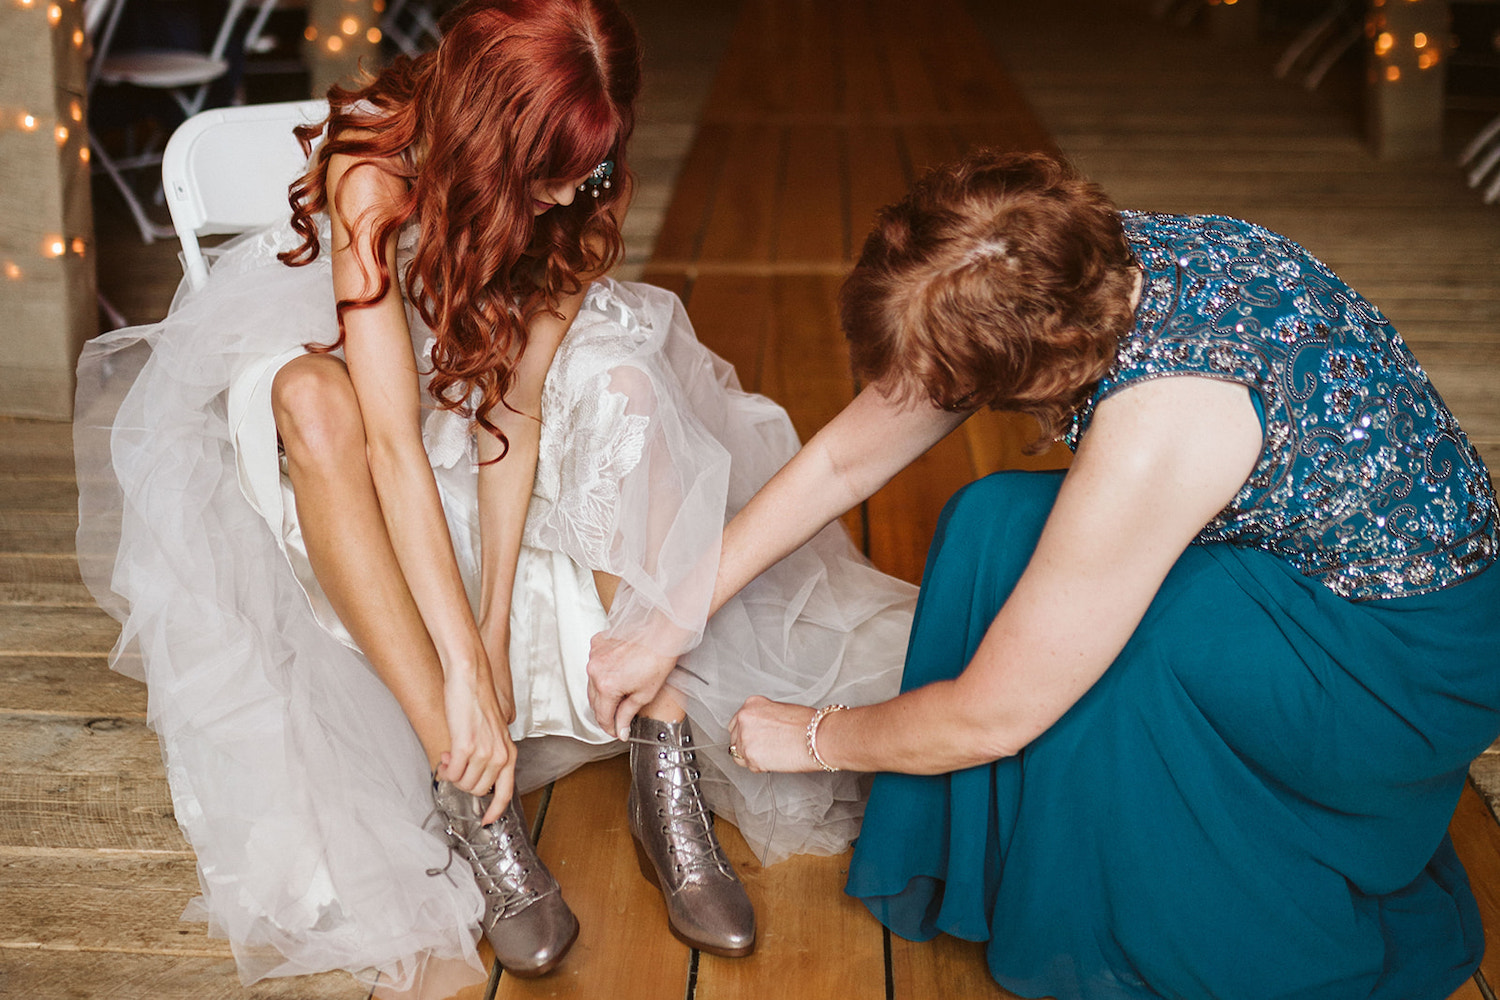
x,y
1191,719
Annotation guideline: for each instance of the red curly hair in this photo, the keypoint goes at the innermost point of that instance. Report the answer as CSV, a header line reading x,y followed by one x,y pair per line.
x,y
1000,280
517,91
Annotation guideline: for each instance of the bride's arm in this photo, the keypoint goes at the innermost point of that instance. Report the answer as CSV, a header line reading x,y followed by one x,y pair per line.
x,y
383,370
505,486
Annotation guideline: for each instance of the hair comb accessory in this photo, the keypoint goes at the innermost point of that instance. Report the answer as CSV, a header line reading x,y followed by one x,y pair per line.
x,y
598,178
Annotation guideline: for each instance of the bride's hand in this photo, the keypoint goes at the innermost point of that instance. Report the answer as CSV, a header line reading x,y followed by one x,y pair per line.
x,y
481,755
772,735
624,677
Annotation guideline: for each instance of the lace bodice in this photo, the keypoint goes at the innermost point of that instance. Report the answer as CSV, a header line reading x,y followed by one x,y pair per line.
x,y
1366,481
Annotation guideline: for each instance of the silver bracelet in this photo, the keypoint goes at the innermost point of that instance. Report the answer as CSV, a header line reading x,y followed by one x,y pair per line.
x,y
812,734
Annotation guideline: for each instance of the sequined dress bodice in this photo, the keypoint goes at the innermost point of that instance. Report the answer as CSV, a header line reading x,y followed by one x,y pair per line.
x,y
1366,483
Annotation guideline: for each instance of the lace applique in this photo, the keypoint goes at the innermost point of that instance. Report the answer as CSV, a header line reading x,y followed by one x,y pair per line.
x,y
589,441
605,448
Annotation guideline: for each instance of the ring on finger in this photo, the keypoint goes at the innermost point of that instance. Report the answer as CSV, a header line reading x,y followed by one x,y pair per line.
x,y
734,752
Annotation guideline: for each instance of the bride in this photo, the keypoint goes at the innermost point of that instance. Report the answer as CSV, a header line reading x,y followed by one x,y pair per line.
x,y
361,503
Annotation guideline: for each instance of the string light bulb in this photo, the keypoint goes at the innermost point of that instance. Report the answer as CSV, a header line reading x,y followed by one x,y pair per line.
x,y
12,270
54,14
54,246
349,26
27,121
373,36
335,43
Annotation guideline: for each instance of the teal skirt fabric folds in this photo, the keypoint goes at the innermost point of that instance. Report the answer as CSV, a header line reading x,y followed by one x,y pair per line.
x,y
1251,803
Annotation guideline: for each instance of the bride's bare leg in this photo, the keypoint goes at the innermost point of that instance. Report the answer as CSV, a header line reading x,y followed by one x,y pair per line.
x,y
318,418
668,705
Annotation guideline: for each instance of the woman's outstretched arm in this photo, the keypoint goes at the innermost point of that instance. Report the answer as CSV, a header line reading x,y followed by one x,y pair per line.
x,y
856,453
1160,460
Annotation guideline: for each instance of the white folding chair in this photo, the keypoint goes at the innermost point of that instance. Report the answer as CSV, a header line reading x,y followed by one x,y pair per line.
x,y
227,171
183,74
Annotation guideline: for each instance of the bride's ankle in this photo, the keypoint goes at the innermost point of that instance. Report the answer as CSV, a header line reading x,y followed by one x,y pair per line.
x,y
667,706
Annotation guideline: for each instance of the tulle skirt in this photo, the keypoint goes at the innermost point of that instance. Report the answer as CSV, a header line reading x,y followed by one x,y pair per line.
x,y
294,774
1252,802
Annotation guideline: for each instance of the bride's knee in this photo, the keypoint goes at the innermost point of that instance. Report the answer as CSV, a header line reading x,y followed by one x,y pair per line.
x,y
316,410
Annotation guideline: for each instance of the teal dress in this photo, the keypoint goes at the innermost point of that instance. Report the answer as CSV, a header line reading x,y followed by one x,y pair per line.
x,y
1253,800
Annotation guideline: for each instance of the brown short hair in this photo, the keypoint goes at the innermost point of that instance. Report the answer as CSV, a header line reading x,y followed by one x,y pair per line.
x,y
1000,280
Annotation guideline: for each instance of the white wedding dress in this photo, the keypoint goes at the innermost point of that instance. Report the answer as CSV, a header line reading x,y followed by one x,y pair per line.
x,y
294,774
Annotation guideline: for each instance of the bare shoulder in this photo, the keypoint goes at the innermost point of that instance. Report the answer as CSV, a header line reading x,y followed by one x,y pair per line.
x,y
1195,438
1179,411
361,186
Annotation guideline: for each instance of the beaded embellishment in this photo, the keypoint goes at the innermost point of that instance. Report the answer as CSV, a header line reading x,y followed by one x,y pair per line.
x,y
1366,484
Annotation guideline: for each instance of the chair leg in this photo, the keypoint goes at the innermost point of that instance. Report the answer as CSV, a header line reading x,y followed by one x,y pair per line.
x,y
1305,42
1332,54
1486,135
114,316
150,231
1484,165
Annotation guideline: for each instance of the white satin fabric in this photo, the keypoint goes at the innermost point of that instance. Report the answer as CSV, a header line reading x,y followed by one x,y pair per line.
x,y
294,775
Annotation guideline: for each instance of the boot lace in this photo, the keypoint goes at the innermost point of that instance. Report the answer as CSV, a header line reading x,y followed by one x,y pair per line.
x,y
686,821
498,866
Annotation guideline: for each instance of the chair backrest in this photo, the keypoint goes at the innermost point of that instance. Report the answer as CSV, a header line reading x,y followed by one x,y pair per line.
x,y
227,171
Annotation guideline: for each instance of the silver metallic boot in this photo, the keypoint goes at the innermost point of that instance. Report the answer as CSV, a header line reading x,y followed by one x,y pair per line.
x,y
674,841
525,920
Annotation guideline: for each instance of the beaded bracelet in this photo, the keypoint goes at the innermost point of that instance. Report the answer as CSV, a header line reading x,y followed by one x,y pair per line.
x,y
812,734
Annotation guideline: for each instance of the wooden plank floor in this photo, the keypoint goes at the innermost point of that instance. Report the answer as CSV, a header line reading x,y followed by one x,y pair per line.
x,y
821,110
